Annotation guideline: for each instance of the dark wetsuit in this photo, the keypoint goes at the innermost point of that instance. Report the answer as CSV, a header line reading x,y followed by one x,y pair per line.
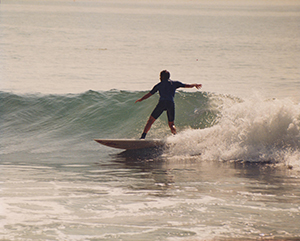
x,y
166,89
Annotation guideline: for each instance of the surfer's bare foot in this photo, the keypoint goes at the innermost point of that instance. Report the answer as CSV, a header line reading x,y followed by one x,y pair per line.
x,y
172,127
143,136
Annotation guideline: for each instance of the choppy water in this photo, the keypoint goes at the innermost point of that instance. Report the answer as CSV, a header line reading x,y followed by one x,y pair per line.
x,y
232,172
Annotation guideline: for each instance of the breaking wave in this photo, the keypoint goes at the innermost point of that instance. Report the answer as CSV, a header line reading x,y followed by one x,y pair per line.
x,y
214,127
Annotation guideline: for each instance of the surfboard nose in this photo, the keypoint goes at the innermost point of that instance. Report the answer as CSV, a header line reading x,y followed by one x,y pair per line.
x,y
131,144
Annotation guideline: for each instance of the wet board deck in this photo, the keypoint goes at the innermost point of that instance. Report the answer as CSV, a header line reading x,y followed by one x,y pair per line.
x,y
131,144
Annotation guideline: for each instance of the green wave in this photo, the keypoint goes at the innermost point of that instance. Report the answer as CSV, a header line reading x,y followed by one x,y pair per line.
x,y
109,114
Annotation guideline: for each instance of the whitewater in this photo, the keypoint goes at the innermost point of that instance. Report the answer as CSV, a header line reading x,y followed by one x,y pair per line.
x,y
71,71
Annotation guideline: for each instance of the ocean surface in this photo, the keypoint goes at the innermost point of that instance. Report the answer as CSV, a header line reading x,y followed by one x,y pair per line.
x,y
70,72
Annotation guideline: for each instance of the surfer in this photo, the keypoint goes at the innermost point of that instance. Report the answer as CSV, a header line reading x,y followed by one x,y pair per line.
x,y
166,89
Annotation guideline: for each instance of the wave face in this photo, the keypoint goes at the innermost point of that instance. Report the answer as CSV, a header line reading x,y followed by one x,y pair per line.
x,y
217,126
100,114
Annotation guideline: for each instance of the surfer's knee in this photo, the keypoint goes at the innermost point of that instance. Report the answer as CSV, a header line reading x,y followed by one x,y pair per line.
x,y
151,119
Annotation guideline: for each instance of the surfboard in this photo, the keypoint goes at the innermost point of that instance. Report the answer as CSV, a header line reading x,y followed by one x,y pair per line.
x,y
131,144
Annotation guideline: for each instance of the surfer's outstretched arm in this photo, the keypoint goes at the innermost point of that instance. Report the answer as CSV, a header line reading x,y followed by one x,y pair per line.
x,y
146,96
198,86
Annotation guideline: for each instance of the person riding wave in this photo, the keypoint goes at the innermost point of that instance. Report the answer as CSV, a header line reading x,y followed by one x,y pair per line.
x,y
166,89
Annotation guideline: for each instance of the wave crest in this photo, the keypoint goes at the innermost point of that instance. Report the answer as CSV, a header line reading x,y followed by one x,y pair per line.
x,y
253,130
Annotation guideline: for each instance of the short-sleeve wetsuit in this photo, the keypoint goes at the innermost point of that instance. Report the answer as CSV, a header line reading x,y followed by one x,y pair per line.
x,y
166,89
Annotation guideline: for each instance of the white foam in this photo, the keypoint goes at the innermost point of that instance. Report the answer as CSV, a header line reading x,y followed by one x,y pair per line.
x,y
253,130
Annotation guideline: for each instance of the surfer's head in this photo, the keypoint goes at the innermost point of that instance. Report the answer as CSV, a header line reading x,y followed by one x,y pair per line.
x,y
164,75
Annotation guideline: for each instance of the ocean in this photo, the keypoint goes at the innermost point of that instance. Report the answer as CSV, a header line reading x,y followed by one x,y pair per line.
x,y
71,71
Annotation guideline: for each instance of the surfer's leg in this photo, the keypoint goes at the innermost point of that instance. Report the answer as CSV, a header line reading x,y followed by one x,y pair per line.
x,y
158,110
171,117
148,126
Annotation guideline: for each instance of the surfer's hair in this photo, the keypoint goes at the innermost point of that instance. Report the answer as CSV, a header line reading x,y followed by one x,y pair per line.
x,y
164,75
